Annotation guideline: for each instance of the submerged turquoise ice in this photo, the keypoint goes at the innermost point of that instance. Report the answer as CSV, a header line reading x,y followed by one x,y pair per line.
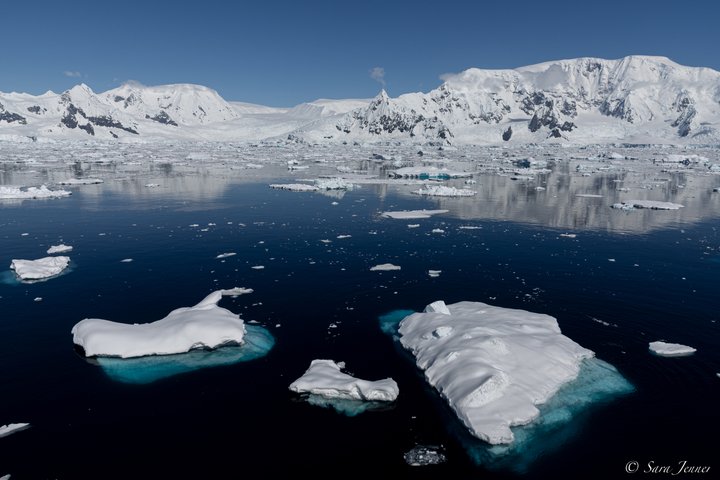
x,y
347,407
258,342
597,383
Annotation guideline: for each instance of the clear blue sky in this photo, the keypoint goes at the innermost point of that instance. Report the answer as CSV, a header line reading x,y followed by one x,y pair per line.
x,y
285,52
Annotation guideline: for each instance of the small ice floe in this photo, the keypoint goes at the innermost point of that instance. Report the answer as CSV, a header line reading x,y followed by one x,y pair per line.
x,y
568,235
444,191
438,230
62,248
325,240
152,185
340,237
21,193
295,187
434,273
649,204
423,455
326,385
384,267
469,227
258,267
205,325
126,260
413,225
37,299
11,428
226,255
611,260
412,214
334,184
540,189
431,172
41,268
670,349
588,195
80,181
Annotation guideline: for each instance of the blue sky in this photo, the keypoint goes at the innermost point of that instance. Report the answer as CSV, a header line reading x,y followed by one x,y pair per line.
x,y
285,52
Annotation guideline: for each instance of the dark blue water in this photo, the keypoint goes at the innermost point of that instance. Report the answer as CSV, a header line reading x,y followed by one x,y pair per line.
x,y
222,421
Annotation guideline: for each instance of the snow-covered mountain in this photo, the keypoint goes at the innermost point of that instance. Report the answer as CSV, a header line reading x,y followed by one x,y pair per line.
x,y
636,99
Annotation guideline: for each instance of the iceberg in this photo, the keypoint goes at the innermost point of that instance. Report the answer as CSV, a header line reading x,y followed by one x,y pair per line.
x,y
670,349
13,193
385,267
649,204
443,191
295,187
11,428
205,325
39,269
516,384
411,214
257,342
424,173
62,248
80,181
325,385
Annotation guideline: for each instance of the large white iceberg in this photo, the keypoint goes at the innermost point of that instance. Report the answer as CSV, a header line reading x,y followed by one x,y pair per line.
x,y
493,365
11,193
325,378
41,268
205,325
664,349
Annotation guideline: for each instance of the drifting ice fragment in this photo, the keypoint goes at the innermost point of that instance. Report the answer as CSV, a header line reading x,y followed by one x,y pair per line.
x,y
412,214
327,384
12,193
424,455
204,325
11,428
62,248
671,349
41,268
384,267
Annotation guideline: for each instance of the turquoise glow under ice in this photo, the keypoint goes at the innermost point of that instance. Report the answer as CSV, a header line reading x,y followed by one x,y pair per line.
x,y
258,342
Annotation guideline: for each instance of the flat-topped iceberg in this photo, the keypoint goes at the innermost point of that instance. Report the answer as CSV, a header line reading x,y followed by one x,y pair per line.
x,y
493,365
257,342
11,428
444,191
62,248
205,325
12,193
385,267
39,269
664,349
325,385
410,214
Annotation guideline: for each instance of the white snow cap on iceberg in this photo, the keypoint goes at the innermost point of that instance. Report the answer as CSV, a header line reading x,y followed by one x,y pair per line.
x,y
671,349
493,365
11,428
325,378
203,326
62,248
41,268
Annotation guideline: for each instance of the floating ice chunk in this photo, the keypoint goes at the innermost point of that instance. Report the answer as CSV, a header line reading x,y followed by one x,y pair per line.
x,y
649,204
568,235
37,299
340,237
325,378
294,187
434,273
438,230
334,184
423,455
469,227
152,185
437,307
226,255
41,268
11,428
80,181
384,267
11,193
444,191
234,292
428,172
62,248
412,214
588,195
258,267
126,260
204,325
505,362
257,342
671,349
413,225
